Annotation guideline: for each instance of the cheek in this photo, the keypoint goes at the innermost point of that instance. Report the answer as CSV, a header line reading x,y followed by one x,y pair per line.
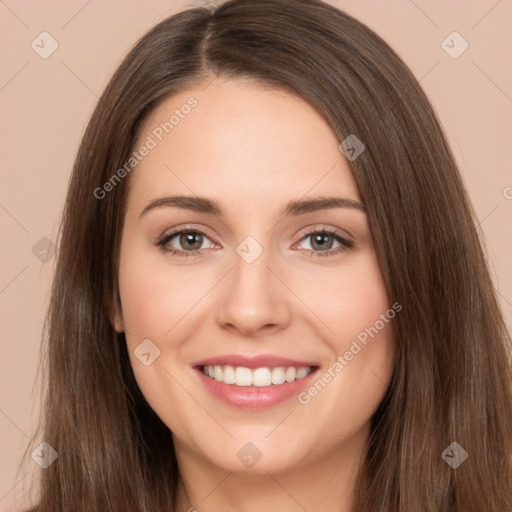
x,y
154,297
354,312
154,300
345,300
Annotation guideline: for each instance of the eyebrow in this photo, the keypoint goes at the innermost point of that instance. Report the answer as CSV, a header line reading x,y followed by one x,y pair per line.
x,y
292,208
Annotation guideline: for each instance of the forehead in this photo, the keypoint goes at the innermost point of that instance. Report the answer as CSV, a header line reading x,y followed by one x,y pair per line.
x,y
238,141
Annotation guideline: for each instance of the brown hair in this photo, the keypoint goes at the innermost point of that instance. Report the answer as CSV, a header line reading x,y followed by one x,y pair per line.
x,y
452,380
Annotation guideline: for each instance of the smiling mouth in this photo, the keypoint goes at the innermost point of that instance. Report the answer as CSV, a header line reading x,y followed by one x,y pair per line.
x,y
240,376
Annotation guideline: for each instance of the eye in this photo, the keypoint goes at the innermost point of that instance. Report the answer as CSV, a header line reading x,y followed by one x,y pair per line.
x,y
185,242
323,243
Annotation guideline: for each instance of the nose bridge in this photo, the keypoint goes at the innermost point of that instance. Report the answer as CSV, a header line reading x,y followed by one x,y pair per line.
x,y
251,272
253,298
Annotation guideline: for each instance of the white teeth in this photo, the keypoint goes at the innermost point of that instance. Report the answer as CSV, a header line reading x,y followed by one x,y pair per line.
x,y
290,374
301,373
259,377
243,376
278,376
217,373
228,375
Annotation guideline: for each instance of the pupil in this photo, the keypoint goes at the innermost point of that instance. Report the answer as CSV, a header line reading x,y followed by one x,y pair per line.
x,y
194,239
320,240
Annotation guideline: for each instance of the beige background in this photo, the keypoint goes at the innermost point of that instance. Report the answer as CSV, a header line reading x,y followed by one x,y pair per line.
x,y
45,105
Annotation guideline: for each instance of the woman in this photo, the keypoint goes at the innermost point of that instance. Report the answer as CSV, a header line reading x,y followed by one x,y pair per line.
x,y
270,291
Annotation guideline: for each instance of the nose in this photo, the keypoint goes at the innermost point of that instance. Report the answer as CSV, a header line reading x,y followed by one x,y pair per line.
x,y
254,301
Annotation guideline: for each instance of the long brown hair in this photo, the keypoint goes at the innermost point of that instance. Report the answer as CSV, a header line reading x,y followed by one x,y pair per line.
x,y
452,380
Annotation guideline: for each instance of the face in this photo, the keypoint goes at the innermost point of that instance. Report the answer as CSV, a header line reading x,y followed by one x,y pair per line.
x,y
256,317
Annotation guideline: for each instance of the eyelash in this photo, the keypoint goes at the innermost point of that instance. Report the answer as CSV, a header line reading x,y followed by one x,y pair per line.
x,y
344,243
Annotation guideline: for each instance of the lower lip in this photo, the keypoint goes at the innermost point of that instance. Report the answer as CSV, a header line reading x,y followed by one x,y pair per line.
x,y
253,397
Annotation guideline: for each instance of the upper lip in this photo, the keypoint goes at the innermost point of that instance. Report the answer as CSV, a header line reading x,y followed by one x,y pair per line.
x,y
253,362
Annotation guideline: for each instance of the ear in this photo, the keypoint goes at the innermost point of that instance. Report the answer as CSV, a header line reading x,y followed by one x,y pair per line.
x,y
116,314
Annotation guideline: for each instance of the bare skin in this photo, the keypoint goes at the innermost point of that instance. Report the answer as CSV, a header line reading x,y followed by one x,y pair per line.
x,y
253,150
